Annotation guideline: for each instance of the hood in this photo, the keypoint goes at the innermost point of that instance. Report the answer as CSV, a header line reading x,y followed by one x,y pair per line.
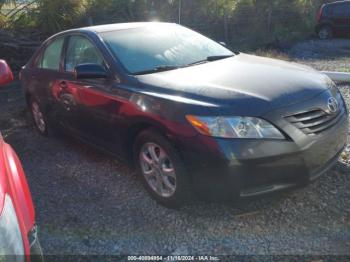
x,y
241,81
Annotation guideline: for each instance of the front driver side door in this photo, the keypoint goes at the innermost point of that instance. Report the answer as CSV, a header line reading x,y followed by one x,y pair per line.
x,y
87,104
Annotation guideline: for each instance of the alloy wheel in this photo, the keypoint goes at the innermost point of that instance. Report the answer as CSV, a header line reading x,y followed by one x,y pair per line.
x,y
38,117
324,33
158,169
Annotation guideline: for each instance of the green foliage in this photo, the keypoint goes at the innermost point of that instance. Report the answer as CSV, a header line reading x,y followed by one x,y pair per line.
x,y
3,2
265,22
244,24
3,16
52,16
106,11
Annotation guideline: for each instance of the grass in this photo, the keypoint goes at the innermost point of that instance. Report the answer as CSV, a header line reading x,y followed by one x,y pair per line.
x,y
344,69
272,53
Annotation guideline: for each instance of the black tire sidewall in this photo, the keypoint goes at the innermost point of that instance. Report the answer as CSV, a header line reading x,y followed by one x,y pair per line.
x,y
46,132
182,191
329,30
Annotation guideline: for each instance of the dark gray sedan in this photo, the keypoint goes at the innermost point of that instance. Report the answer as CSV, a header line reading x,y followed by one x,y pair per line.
x,y
186,111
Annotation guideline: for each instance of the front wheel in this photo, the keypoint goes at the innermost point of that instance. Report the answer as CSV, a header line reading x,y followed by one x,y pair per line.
x,y
161,168
325,32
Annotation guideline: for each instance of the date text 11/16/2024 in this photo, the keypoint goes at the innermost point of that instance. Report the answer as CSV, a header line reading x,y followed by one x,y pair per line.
x,y
173,258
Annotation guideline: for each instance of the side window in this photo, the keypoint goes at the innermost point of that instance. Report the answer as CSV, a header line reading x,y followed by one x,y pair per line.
x,y
52,55
327,10
81,51
347,8
341,10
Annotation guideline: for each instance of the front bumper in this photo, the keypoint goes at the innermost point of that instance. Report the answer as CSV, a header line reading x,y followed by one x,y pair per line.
x,y
222,168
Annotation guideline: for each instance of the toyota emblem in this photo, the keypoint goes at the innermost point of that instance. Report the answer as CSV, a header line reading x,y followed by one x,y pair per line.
x,y
332,105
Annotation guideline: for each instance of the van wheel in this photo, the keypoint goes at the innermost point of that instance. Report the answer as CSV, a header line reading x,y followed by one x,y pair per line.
x,y
325,32
162,170
38,117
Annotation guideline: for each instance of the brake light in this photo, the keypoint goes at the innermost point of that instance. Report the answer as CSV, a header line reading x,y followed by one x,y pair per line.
x,y
320,14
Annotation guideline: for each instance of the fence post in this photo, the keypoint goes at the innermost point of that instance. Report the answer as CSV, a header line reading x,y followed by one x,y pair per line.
x,y
90,21
180,7
269,18
225,27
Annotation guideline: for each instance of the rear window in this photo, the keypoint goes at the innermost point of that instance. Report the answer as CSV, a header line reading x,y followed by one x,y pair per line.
x,y
325,10
341,10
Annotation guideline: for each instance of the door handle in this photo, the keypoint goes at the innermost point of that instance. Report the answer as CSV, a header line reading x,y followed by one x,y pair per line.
x,y
67,101
63,84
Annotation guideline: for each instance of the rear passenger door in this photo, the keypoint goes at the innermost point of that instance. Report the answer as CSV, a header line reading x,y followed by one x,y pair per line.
x,y
44,75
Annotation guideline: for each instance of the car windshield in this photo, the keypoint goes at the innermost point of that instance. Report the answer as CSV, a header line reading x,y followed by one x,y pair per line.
x,y
161,46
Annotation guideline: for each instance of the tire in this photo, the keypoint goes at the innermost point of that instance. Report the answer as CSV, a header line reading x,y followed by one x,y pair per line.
x,y
325,32
163,174
36,253
38,116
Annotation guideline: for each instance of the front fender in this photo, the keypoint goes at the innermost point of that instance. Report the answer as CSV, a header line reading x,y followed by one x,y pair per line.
x,y
17,187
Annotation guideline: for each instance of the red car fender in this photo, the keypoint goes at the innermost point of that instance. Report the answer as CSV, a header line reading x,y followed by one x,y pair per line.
x,y
6,76
14,183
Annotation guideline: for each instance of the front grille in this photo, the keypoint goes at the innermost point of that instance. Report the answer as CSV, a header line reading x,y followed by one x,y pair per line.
x,y
316,121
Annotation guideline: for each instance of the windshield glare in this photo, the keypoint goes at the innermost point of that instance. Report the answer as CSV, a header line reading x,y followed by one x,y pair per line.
x,y
146,48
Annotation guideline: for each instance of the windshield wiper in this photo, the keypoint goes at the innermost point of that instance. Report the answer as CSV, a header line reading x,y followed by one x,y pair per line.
x,y
210,59
161,68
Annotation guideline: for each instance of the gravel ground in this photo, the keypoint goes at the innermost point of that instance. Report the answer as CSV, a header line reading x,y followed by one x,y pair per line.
x,y
331,55
89,203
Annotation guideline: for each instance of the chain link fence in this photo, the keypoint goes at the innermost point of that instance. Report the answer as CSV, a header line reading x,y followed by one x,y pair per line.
x,y
242,24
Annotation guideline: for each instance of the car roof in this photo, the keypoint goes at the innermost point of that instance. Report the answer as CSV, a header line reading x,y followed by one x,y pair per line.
x,y
338,2
106,28
115,27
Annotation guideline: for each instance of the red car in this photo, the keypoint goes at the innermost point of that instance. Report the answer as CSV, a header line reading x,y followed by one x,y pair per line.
x,y
18,233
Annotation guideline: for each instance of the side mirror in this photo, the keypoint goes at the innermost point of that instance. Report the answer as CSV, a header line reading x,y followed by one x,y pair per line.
x,y
6,75
90,71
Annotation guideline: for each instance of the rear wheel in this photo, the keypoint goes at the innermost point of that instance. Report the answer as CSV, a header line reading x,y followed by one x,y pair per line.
x,y
325,32
162,171
38,117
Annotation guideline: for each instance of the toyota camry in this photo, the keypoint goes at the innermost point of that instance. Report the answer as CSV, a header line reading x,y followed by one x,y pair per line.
x,y
188,113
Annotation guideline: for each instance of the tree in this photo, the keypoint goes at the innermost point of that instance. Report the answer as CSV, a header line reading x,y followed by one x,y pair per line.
x,y
55,15
3,2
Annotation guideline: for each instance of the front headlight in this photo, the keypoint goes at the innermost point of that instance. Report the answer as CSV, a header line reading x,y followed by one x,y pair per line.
x,y
11,242
234,127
